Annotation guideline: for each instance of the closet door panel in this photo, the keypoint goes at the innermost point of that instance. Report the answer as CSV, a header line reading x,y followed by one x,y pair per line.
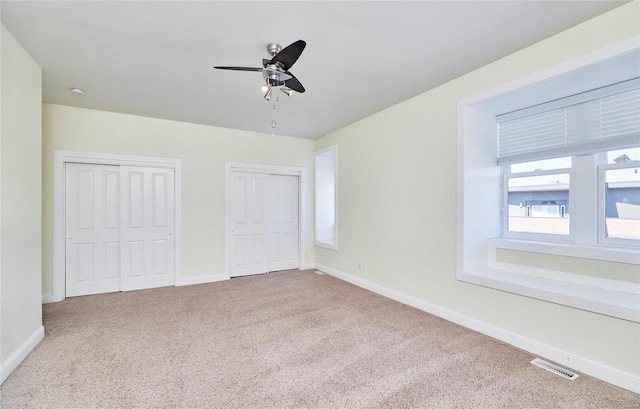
x,y
92,231
147,228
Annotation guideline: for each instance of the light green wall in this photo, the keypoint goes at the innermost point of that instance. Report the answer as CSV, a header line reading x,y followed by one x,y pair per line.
x,y
203,151
397,203
20,210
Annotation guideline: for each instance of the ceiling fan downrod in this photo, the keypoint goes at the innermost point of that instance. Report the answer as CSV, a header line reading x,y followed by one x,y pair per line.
x,y
273,49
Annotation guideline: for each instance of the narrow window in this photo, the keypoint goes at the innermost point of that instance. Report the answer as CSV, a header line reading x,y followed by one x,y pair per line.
x,y
326,234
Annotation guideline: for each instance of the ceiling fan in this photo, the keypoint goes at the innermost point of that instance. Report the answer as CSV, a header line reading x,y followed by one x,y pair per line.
x,y
276,70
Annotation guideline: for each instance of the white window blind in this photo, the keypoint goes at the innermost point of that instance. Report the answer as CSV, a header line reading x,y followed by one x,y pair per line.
x,y
598,120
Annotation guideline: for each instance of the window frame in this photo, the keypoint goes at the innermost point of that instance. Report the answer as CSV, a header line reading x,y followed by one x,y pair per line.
x,y
504,210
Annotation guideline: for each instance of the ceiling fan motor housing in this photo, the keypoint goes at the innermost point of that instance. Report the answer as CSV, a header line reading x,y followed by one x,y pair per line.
x,y
274,75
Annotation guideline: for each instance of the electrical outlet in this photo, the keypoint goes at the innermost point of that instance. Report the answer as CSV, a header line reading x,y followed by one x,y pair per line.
x,y
362,267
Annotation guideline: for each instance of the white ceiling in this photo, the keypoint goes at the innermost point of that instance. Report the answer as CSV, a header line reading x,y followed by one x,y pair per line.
x,y
156,58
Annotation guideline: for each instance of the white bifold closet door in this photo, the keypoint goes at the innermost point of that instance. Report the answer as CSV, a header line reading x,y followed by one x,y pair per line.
x,y
147,227
119,226
92,200
264,223
282,218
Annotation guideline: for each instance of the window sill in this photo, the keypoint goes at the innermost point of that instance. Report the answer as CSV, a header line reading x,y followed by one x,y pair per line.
x,y
327,245
608,302
616,298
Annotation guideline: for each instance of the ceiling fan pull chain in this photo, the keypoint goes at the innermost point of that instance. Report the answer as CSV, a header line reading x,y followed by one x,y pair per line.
x,y
273,121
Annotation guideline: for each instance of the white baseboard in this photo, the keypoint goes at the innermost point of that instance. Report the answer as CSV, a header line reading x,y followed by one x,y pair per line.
x,y
212,278
21,353
308,266
608,374
47,298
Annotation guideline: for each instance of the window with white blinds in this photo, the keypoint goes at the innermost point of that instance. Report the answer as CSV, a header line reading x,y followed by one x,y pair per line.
x,y
594,121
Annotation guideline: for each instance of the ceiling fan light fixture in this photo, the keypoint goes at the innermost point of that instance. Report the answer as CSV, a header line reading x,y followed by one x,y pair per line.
x,y
275,72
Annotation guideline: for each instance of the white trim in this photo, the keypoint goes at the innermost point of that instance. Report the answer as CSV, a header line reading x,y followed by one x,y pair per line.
x,y
272,170
47,298
603,372
268,169
21,353
515,175
211,278
60,158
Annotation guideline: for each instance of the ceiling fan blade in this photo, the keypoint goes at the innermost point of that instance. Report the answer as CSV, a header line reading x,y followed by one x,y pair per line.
x,y
240,68
289,55
293,83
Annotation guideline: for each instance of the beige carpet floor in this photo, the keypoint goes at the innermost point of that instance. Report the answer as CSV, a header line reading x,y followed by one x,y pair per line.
x,y
291,339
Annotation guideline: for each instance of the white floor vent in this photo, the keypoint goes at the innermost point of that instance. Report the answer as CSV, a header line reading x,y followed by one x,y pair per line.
x,y
555,369
318,272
